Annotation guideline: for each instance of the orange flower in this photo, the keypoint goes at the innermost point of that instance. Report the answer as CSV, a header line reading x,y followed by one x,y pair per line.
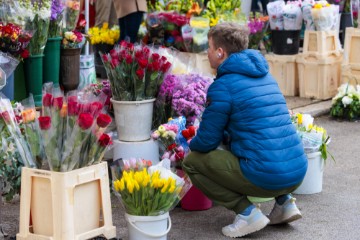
x,y
63,111
28,115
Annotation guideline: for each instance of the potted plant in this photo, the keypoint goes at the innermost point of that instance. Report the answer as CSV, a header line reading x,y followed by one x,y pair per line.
x,y
135,74
315,140
148,193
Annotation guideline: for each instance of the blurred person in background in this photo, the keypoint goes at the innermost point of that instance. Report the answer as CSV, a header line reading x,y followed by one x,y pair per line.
x,y
130,14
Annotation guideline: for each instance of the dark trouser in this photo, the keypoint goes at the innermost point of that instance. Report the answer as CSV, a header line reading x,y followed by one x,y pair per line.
x,y
129,26
218,175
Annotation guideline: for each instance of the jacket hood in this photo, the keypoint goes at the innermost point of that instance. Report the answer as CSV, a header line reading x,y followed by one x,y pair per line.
x,y
248,62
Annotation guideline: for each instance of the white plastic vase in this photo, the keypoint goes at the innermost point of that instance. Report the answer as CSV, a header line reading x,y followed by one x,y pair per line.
x,y
148,227
133,119
313,180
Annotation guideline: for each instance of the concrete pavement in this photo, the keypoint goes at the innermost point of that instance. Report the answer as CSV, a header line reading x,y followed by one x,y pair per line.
x,y
332,214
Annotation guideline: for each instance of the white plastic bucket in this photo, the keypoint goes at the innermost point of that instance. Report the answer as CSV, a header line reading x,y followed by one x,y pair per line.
x,y
148,227
148,150
133,119
313,180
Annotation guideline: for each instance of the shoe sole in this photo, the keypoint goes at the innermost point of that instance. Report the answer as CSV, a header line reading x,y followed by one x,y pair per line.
x,y
260,224
288,220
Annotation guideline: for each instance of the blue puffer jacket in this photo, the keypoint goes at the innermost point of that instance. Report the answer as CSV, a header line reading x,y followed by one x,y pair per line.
x,y
245,101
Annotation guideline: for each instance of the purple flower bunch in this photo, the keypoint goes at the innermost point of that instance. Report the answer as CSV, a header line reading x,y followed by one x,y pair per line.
x,y
255,26
57,9
182,95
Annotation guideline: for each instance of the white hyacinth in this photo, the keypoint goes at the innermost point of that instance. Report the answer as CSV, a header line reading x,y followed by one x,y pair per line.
x,y
346,100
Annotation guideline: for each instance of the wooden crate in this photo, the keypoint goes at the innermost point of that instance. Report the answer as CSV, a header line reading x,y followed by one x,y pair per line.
x,y
323,43
319,77
65,206
350,73
284,70
352,46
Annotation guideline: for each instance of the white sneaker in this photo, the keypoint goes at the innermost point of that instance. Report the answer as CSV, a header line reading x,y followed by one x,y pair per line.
x,y
285,213
244,225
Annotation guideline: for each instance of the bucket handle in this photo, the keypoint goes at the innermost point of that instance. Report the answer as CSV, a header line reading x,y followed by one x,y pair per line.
x,y
152,235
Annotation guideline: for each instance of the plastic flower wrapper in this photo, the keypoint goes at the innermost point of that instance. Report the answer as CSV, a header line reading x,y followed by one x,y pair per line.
x,y
324,15
314,138
71,14
306,7
32,131
8,116
56,17
276,11
292,16
10,159
132,164
7,64
38,20
74,143
151,191
97,150
201,27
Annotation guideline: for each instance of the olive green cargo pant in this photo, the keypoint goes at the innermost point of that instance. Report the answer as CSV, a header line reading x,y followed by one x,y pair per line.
x,y
218,175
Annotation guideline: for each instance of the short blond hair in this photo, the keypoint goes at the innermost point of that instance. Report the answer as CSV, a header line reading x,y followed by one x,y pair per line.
x,y
231,37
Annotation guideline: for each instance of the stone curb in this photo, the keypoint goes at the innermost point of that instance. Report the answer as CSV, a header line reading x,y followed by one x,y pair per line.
x,y
315,109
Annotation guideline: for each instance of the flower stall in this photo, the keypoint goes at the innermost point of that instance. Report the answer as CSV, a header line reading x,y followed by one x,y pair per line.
x,y
69,138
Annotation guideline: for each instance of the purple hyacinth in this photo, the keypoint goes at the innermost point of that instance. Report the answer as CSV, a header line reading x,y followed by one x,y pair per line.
x,y
56,9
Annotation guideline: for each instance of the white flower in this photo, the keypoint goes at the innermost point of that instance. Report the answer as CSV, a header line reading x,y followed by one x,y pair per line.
x,y
307,120
346,100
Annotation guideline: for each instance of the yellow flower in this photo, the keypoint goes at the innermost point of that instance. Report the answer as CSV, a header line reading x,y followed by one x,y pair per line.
x,y
161,129
318,6
299,118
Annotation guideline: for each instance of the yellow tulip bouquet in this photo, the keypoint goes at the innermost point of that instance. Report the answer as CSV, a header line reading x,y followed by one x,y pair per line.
x,y
314,138
104,34
150,191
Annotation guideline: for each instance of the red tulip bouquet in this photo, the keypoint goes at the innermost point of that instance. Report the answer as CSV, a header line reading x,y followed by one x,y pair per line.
x,y
135,71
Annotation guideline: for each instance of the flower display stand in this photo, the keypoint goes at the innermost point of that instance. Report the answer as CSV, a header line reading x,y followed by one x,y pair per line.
x,y
133,119
319,76
148,150
284,70
351,63
322,43
313,179
69,205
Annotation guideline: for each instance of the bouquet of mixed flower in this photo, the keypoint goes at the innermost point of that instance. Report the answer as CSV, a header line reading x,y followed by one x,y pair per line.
x,y
135,72
71,13
182,95
151,190
314,138
104,34
72,39
173,138
346,103
257,26
10,159
56,17
14,40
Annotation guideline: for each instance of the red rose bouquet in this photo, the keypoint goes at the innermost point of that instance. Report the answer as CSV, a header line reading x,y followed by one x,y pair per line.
x,y
135,72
